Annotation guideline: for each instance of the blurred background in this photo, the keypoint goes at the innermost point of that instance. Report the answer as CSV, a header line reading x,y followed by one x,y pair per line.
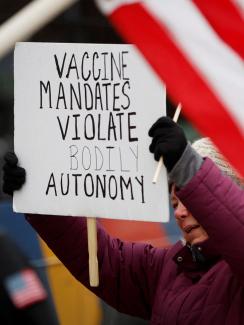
x,y
82,23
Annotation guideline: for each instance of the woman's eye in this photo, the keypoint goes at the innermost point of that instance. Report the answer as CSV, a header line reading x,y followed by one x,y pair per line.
x,y
174,204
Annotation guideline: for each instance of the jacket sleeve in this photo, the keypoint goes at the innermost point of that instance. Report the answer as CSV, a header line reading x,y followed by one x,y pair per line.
x,y
218,205
37,309
128,272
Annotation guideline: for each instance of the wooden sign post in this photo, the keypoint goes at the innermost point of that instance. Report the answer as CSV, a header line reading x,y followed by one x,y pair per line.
x,y
92,250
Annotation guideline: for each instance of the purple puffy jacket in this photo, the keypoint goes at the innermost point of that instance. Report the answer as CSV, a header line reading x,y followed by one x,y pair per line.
x,y
166,285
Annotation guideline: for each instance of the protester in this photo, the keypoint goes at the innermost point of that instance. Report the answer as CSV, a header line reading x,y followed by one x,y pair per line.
x,y
199,280
23,298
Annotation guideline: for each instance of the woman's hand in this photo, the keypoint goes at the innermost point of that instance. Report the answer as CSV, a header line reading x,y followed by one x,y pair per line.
x,y
168,140
13,175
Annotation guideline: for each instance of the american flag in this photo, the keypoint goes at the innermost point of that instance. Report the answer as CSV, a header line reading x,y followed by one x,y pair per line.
x,y
25,288
197,48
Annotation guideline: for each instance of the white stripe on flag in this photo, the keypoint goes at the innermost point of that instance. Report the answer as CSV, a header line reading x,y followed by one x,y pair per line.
x,y
219,65
107,7
240,6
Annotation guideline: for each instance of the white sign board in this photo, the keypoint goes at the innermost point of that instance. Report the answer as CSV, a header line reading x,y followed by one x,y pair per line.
x,y
82,115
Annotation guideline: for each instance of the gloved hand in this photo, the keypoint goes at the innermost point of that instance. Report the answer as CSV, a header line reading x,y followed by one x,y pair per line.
x,y
168,140
13,175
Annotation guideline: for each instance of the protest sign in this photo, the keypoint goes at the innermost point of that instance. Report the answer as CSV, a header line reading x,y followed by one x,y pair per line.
x,y
82,115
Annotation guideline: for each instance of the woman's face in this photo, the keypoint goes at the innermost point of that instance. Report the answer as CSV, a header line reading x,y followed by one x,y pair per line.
x,y
192,231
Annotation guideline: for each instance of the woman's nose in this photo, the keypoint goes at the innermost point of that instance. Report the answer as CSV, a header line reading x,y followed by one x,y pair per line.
x,y
181,212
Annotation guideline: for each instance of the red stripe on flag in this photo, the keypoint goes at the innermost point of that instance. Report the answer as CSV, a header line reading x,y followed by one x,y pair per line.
x,y
226,20
184,84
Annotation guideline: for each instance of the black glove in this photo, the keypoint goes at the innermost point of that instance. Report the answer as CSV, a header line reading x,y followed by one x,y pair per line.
x,y
168,141
13,175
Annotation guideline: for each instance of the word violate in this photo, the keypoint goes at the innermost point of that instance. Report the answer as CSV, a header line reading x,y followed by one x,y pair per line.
x,y
89,127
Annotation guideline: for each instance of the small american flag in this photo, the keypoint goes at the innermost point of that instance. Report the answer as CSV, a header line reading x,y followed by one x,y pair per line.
x,y
25,288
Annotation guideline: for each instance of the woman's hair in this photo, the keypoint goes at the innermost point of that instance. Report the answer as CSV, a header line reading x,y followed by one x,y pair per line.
x,y
206,148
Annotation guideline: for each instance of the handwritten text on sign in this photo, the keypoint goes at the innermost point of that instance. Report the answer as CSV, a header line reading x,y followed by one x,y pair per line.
x,y
88,109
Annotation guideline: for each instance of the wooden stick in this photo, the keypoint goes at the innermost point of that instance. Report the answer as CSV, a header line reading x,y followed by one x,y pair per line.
x,y
160,162
92,250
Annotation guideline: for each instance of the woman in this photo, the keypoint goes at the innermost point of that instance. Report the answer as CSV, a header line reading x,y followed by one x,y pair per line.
x,y
198,280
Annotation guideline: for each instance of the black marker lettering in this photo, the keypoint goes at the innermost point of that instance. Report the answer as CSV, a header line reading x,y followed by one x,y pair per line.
x,y
111,127
98,97
67,184
106,93
130,127
60,70
136,156
123,92
97,150
74,95
102,185
91,185
51,184
76,182
72,66
112,196
85,55
87,89
73,149
86,153
63,132
121,162
124,65
99,128
104,65
120,124
61,96
91,128
128,185
141,183
95,56
115,97
76,127
109,159
47,88
114,64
